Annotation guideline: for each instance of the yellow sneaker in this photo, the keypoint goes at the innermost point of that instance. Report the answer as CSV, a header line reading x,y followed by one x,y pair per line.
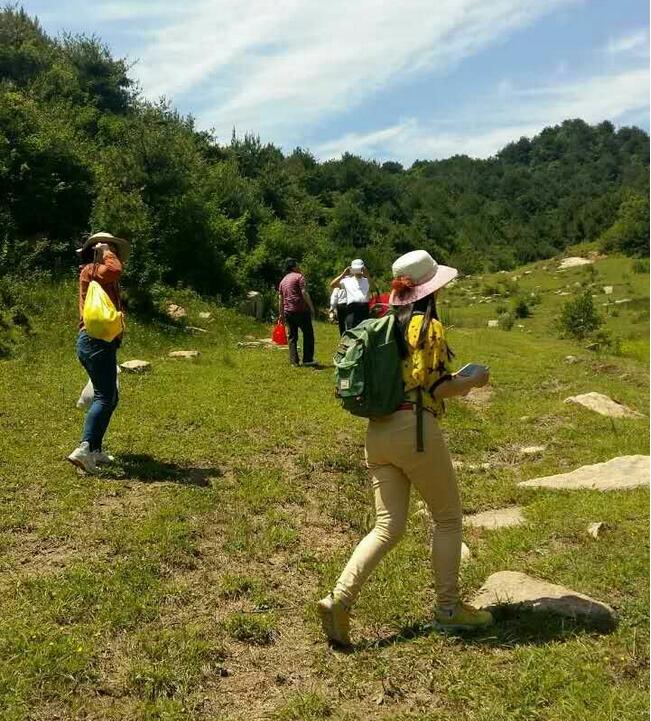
x,y
335,620
462,618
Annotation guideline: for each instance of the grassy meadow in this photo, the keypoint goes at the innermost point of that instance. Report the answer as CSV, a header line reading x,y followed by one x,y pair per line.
x,y
180,584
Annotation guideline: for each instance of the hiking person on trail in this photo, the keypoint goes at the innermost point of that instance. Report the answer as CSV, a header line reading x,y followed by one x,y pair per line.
x,y
103,257
406,448
338,308
356,281
296,310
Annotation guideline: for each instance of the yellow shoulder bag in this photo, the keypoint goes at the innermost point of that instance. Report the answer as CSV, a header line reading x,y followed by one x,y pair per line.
x,y
101,318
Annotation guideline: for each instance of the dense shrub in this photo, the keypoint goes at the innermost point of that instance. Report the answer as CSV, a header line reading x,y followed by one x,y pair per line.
x,y
506,321
521,308
579,318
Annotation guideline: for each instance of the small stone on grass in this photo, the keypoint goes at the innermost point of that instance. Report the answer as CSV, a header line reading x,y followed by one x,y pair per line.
x,y
183,354
596,529
135,366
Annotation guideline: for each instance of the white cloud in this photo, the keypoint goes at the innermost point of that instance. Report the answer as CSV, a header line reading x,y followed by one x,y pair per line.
x,y
277,68
506,116
636,41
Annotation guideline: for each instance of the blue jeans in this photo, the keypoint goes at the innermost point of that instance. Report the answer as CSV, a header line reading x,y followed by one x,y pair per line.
x,y
99,358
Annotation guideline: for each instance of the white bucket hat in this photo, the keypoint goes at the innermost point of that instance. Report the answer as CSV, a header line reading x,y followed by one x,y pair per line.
x,y
357,265
122,246
416,275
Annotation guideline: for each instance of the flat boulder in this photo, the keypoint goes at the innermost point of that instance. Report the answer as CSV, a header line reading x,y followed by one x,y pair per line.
x,y
510,590
497,518
135,366
619,473
602,404
574,262
493,324
183,354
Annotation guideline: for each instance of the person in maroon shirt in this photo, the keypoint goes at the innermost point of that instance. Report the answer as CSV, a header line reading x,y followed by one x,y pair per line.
x,y
103,257
296,311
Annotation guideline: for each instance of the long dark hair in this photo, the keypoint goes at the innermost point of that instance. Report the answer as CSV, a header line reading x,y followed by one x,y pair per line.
x,y
425,306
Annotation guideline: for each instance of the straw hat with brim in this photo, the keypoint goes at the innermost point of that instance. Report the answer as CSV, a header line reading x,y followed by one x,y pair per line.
x,y
122,246
416,275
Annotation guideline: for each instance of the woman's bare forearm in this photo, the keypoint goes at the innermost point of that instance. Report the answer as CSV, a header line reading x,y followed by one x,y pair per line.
x,y
455,386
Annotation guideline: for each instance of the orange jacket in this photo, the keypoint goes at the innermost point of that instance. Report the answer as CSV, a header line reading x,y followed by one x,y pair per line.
x,y
107,274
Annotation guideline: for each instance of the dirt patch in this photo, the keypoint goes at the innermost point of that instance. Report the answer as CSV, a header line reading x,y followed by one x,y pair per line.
x,y
478,397
30,555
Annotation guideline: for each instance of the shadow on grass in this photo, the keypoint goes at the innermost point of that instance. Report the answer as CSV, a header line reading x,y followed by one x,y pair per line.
x,y
514,626
147,469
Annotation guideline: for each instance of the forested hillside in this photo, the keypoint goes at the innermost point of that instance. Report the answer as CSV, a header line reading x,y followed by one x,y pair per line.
x,y
82,150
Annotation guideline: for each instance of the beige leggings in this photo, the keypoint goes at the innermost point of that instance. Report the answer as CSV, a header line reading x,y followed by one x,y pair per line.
x,y
395,465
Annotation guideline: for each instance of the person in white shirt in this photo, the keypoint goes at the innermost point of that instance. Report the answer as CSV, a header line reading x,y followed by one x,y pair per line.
x,y
355,280
338,308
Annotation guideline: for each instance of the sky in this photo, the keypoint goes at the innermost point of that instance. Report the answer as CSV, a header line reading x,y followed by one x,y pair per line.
x,y
384,79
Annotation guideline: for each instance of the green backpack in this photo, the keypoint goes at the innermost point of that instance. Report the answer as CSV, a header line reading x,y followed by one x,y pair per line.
x,y
368,368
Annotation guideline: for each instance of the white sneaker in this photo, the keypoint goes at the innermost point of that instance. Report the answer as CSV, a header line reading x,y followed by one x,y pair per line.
x,y
103,459
83,458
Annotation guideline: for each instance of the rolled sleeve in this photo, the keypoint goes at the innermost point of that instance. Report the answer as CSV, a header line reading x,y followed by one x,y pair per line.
x,y
109,270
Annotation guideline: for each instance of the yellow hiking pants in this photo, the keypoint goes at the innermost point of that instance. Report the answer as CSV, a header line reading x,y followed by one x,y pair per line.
x,y
395,466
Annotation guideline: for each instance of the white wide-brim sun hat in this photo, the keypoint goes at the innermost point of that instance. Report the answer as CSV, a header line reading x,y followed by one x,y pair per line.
x,y
418,274
122,246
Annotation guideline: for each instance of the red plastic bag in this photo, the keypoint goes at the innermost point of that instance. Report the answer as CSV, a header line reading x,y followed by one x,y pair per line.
x,y
379,305
279,334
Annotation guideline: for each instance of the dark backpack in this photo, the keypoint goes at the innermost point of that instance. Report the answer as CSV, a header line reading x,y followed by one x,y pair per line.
x,y
368,368
368,371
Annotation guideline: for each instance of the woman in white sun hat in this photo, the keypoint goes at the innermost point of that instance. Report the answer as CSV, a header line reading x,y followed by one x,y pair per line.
x,y
356,283
397,462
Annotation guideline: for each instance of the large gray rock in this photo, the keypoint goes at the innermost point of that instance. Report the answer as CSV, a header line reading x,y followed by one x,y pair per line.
x,y
616,474
135,366
515,590
599,403
496,518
